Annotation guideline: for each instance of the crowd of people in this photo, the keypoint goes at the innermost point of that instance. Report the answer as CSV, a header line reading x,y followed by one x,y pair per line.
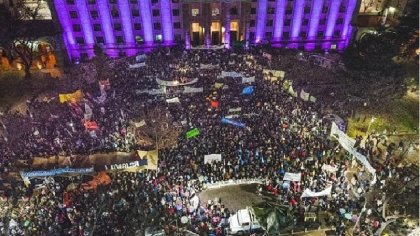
x,y
281,134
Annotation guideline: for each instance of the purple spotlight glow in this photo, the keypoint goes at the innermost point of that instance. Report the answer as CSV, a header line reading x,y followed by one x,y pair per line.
x,y
146,19
347,20
314,22
167,31
125,15
106,22
297,18
332,18
261,16
85,22
279,20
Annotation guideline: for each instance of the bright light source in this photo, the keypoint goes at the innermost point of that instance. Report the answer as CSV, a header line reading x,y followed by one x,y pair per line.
x,y
392,9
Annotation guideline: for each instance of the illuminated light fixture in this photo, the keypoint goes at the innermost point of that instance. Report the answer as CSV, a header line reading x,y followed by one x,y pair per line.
x,y
392,9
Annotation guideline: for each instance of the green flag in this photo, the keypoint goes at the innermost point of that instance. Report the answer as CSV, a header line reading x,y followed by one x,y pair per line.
x,y
193,133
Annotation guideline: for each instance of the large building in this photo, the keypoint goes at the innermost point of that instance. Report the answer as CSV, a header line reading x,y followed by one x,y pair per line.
x,y
125,27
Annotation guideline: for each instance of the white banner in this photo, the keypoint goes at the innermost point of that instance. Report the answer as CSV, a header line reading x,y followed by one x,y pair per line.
x,y
348,143
275,73
175,82
304,95
233,74
137,65
234,182
292,92
246,80
173,100
139,124
329,168
232,110
88,112
309,193
208,66
292,176
141,58
151,91
192,90
212,157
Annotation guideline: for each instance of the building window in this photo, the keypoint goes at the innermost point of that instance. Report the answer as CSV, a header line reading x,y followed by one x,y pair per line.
x,y
156,12
269,23
305,22
253,11
251,35
115,13
117,26
112,1
137,26
342,8
195,12
175,1
76,28
233,11
120,40
322,22
307,10
177,25
320,34
154,1
337,33
133,1
270,10
252,23
156,26
100,40
268,35
96,27
175,12
70,2
135,12
302,35
178,37
91,2
94,14
73,14
215,11
289,11
287,23
339,21
286,35
80,40
325,9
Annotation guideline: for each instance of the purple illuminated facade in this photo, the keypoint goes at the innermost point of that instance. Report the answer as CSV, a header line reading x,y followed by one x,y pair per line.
x,y
127,27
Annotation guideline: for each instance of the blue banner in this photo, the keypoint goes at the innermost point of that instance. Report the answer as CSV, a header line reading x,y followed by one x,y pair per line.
x,y
232,122
248,90
55,172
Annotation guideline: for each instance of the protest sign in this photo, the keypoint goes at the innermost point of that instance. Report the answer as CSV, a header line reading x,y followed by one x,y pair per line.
x,y
248,90
173,100
309,193
233,122
212,157
304,95
76,96
193,133
292,176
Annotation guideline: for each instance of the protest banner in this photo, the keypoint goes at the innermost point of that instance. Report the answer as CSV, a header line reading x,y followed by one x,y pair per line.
x,y
292,92
174,83
141,58
88,112
101,178
312,99
214,104
218,85
192,90
124,166
137,65
309,193
212,157
55,172
74,97
234,110
192,133
247,80
292,176
286,84
173,100
329,168
348,144
232,122
304,95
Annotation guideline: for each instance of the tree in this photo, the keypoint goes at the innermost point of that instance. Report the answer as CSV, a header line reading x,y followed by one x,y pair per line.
x,y
408,31
156,129
18,34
